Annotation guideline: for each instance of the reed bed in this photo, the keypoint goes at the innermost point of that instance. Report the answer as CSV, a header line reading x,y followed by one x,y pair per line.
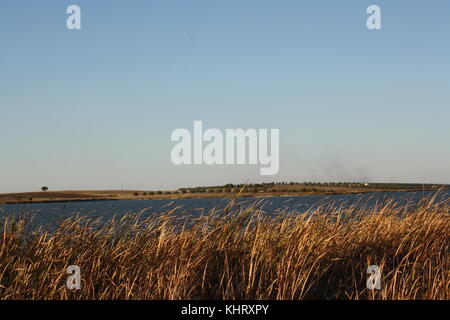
x,y
237,253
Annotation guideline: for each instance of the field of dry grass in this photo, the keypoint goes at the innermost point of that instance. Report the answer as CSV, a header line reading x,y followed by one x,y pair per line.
x,y
236,254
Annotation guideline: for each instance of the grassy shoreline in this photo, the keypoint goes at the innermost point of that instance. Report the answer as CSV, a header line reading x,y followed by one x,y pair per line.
x,y
111,195
322,254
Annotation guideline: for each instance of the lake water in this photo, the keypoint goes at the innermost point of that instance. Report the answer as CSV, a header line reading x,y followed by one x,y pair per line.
x,y
52,213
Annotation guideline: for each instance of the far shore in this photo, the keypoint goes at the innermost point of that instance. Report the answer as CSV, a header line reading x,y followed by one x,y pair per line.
x,y
111,195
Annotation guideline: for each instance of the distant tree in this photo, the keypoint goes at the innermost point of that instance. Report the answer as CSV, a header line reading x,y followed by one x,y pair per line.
x,y
44,188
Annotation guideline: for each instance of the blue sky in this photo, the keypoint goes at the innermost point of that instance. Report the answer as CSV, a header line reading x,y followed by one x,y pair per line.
x,y
94,108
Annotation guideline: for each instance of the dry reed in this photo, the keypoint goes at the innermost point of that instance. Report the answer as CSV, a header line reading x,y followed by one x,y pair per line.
x,y
234,254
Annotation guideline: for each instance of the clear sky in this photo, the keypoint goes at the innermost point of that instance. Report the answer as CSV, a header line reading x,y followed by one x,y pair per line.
x,y
94,108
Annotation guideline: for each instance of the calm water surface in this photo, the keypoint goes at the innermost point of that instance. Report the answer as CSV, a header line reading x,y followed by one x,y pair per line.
x,y
52,213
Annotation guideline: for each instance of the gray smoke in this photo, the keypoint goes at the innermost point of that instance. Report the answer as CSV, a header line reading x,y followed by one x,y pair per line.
x,y
335,168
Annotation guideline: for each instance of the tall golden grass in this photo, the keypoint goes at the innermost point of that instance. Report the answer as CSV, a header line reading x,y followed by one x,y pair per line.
x,y
234,254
